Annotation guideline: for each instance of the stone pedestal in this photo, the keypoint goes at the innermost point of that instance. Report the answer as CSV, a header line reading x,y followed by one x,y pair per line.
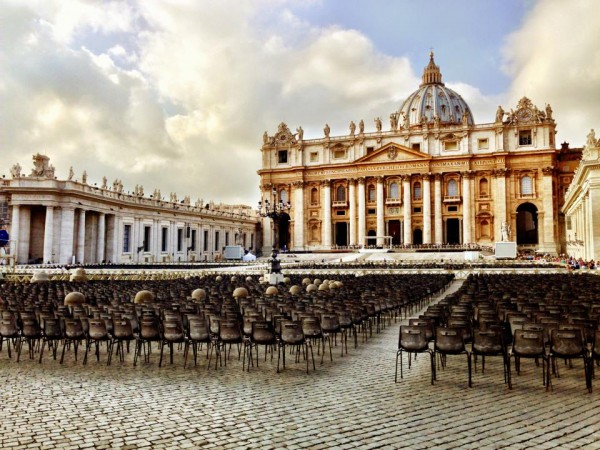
x,y
275,278
506,250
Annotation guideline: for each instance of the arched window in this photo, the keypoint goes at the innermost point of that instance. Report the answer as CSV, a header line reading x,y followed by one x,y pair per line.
x,y
283,196
314,196
394,191
340,194
452,188
483,187
417,194
372,195
526,185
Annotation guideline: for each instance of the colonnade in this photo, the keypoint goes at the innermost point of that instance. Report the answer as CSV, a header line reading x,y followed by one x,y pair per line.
x,y
64,234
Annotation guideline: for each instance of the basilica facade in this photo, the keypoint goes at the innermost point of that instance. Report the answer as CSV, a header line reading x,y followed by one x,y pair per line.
x,y
432,176
65,221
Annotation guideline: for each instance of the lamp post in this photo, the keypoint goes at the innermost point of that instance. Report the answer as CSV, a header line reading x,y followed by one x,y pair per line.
x,y
274,210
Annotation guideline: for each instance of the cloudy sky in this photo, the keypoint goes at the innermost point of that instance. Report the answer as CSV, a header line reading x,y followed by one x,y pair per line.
x,y
176,94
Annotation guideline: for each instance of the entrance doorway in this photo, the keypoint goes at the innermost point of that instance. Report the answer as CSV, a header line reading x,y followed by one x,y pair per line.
x,y
372,241
417,236
283,231
341,234
453,231
527,224
394,231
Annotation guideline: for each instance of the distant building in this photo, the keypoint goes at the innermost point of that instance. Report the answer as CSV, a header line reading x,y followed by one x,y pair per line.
x,y
65,221
430,175
582,204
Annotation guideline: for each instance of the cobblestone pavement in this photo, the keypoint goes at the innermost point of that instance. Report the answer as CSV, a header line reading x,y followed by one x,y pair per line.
x,y
351,402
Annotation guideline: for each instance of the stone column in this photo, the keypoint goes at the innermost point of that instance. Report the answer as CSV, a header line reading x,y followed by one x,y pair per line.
x,y
24,234
15,232
326,208
548,242
380,211
48,234
101,242
427,208
67,233
500,215
362,212
81,237
437,209
466,191
298,205
352,206
407,209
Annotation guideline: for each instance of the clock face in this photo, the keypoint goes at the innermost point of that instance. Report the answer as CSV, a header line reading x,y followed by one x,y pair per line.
x,y
524,114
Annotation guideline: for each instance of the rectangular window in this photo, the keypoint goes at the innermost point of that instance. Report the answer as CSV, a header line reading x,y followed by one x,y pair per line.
x,y
126,238
340,213
227,238
205,247
417,210
371,212
483,144
252,241
314,156
451,145
569,226
216,241
416,147
179,239
3,213
370,150
452,208
282,156
339,153
164,239
193,243
525,137
147,234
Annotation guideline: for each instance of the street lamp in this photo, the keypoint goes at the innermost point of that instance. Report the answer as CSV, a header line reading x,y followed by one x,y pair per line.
x,y
274,210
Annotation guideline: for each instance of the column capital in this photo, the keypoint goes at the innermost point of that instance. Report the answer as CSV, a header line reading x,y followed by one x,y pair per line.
x,y
361,180
426,176
351,181
500,173
298,184
467,174
379,179
405,178
326,183
437,177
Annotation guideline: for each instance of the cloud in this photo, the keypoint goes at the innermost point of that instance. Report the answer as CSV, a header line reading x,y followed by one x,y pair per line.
x,y
554,58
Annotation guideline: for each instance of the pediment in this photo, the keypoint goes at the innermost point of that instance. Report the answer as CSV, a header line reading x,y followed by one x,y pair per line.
x,y
394,152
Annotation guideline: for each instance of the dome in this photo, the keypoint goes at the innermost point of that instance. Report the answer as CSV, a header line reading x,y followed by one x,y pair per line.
x,y
433,102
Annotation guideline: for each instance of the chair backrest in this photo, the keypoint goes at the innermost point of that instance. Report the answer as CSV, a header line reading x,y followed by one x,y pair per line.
x,y
30,328
488,342
74,329
229,331
311,327
97,329
52,328
413,338
567,343
198,329
8,327
528,343
330,323
263,332
449,340
426,322
173,330
291,333
122,328
150,328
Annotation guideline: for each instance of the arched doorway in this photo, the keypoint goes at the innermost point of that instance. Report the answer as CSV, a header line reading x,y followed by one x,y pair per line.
x,y
417,236
283,232
527,224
